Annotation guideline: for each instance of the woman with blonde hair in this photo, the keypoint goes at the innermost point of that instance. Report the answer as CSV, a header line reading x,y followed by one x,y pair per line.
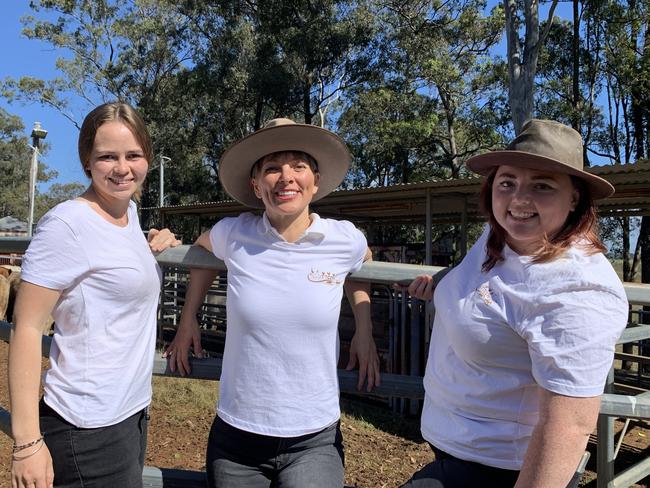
x,y
525,326
90,267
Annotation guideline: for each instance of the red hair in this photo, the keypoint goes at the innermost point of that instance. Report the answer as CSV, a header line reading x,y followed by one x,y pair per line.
x,y
581,225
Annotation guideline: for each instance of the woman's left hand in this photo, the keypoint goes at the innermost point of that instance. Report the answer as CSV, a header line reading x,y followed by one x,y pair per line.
x,y
159,240
364,353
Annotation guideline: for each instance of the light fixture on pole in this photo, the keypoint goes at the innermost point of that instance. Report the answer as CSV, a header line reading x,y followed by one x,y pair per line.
x,y
163,160
38,133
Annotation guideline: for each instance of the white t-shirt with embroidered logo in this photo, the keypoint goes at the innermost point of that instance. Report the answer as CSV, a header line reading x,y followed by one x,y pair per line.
x,y
498,337
105,320
279,367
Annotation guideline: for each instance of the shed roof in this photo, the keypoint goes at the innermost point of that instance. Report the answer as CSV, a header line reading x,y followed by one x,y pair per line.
x,y
406,203
12,224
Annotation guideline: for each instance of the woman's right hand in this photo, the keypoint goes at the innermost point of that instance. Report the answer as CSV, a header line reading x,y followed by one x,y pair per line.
x,y
34,471
188,336
421,287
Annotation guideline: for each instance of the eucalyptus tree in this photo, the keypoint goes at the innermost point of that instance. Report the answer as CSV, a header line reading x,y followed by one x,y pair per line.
x,y
566,95
438,100
620,31
389,130
448,45
524,41
15,156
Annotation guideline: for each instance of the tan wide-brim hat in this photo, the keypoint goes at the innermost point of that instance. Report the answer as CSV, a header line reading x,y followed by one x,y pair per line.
x,y
544,145
328,149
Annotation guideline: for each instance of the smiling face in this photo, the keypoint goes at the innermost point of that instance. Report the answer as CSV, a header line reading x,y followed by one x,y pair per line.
x,y
286,184
531,205
117,163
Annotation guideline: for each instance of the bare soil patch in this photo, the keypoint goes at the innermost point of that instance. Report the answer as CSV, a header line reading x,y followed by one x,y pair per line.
x,y
382,449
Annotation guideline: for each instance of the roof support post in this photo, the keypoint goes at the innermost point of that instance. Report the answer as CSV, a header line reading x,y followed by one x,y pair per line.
x,y
463,228
428,246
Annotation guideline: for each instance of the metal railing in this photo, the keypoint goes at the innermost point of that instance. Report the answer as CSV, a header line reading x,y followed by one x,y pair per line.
x,y
394,385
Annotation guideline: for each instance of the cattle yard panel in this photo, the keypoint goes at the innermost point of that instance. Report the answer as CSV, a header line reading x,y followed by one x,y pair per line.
x,y
404,382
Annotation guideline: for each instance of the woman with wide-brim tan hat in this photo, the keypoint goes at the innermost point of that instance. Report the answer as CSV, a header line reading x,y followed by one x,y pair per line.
x,y
277,420
525,325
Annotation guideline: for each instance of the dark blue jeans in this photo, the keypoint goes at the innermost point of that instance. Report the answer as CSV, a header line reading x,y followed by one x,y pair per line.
x,y
240,459
105,457
448,471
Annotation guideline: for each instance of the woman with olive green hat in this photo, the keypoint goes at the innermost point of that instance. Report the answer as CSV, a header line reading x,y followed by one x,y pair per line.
x,y
277,419
525,326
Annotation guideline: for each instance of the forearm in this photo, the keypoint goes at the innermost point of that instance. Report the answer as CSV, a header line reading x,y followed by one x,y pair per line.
x,y
24,382
358,295
558,442
33,305
198,286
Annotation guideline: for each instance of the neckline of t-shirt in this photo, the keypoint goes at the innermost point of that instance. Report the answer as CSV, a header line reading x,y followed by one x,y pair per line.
x,y
509,252
315,227
99,218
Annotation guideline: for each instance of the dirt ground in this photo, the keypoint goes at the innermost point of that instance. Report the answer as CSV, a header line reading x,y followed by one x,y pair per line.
x,y
382,449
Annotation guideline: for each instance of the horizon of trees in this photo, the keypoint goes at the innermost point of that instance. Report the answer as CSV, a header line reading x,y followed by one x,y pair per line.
x,y
414,87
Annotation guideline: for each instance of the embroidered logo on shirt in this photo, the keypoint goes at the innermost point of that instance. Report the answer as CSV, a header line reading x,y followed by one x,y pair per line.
x,y
485,293
326,277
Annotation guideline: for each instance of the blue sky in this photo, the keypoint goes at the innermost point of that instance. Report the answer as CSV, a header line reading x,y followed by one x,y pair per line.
x,y
24,57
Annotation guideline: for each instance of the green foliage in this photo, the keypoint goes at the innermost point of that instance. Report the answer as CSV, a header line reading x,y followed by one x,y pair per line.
x,y
15,157
413,87
438,101
15,160
56,193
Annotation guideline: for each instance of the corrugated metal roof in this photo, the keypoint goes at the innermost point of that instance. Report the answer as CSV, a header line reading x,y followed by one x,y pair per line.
x,y
632,182
12,224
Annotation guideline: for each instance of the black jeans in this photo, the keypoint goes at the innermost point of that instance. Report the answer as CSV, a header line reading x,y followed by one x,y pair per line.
x,y
448,471
105,457
240,459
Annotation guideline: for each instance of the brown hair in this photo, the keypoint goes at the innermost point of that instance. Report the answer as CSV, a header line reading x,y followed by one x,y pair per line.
x,y
296,154
581,225
109,112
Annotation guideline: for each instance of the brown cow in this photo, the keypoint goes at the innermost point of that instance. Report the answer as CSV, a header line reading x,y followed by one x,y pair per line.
x,y
4,296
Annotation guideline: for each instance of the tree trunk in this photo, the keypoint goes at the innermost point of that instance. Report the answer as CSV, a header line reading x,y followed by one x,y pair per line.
x,y
451,133
306,101
522,63
403,155
258,115
520,93
576,69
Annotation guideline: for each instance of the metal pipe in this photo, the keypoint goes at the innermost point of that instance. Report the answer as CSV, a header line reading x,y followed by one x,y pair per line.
x,y
605,446
38,133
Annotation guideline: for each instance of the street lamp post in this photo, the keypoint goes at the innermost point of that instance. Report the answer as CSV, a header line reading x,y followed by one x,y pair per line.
x,y
163,160
38,133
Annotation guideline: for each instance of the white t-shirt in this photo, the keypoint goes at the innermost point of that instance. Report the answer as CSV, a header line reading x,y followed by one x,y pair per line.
x,y
279,368
105,320
498,337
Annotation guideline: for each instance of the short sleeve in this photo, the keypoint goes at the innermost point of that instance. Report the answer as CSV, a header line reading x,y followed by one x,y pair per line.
x,y
359,246
219,235
571,337
54,259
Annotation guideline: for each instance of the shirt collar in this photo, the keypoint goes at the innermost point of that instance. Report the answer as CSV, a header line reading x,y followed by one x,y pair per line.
x,y
316,229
